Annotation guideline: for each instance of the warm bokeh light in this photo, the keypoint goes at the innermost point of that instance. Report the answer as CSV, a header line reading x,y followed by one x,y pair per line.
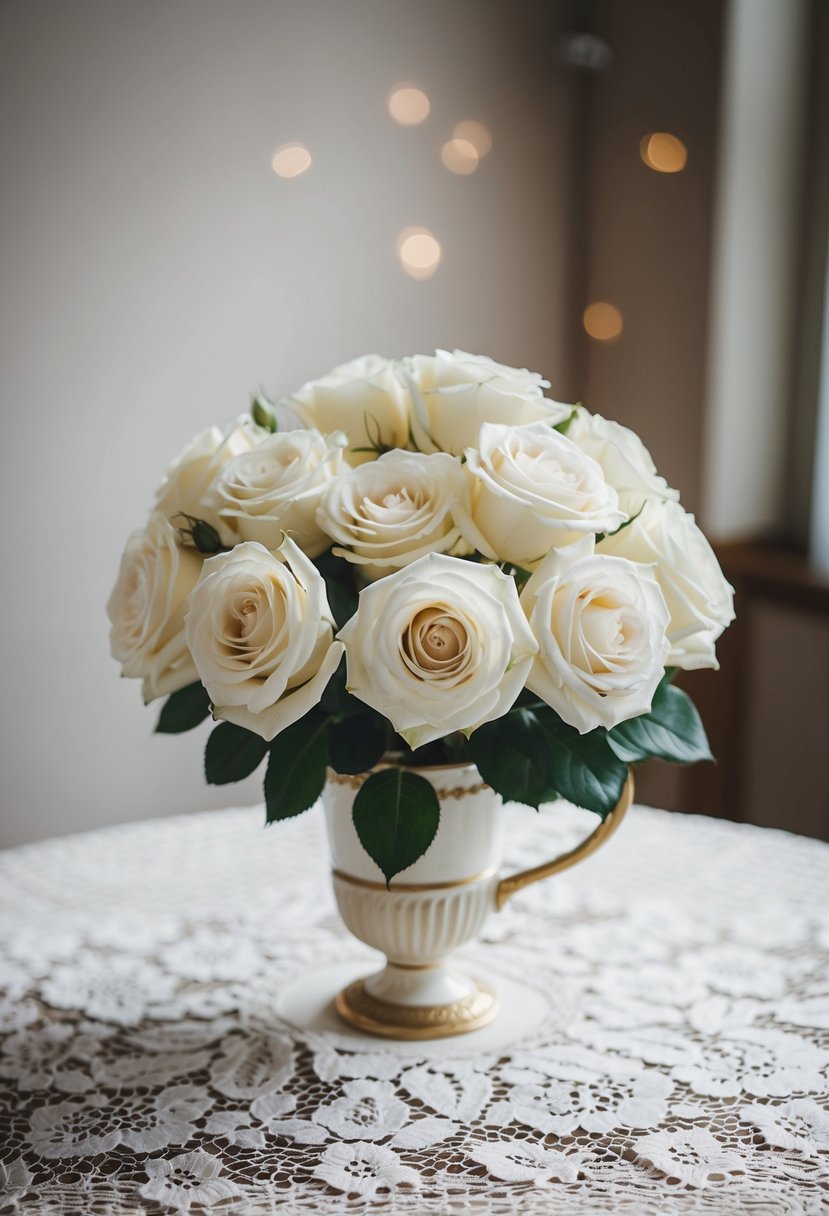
x,y
603,321
290,160
408,105
460,156
474,133
663,153
419,252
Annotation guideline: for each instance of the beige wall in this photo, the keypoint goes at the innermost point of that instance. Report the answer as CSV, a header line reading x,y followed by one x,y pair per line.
x,y
155,271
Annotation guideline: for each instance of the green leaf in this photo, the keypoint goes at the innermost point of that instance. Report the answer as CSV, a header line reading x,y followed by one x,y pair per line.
x,y
335,700
582,768
198,534
672,730
184,710
205,537
563,426
296,768
357,743
451,749
340,586
507,755
396,814
600,536
263,413
232,753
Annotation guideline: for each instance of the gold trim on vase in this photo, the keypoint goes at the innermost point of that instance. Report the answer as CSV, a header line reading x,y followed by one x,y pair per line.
x,y
371,885
360,1009
355,781
415,966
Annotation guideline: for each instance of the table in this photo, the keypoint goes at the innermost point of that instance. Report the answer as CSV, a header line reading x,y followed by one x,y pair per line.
x,y
683,1066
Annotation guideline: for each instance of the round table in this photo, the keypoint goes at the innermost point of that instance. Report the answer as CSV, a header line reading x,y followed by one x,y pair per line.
x,y
682,1067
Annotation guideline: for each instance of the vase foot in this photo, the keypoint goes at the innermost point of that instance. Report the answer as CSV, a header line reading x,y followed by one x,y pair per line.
x,y
359,1008
307,1005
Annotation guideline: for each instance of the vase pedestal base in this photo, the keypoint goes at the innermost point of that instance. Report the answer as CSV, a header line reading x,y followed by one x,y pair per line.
x,y
359,1004
308,1004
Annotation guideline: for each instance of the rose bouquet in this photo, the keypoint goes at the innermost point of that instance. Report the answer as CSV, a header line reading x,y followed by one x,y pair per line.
x,y
420,562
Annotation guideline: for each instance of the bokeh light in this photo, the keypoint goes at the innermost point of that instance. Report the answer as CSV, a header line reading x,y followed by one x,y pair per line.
x,y
603,321
291,160
664,153
408,105
474,133
459,156
419,252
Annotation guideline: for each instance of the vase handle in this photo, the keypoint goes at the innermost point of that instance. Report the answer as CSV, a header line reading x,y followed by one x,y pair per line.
x,y
516,882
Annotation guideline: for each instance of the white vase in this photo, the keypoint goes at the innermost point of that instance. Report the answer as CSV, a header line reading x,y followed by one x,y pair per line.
x,y
429,910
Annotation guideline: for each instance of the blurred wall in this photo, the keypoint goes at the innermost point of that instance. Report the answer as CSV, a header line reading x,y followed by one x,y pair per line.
x,y
647,244
155,271
649,232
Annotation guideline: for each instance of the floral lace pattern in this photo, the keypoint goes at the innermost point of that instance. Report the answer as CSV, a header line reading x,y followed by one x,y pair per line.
x,y
143,1068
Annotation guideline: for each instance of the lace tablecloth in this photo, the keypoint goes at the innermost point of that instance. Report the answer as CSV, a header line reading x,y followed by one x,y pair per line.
x,y
683,1067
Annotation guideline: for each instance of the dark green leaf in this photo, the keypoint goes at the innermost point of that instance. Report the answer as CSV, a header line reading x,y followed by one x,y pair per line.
x,y
184,710
335,699
340,586
451,749
296,768
507,753
396,814
357,743
232,753
198,534
337,702
671,731
582,768
205,537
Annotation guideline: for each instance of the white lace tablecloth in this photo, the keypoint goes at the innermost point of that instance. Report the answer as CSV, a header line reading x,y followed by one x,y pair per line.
x,y
683,1067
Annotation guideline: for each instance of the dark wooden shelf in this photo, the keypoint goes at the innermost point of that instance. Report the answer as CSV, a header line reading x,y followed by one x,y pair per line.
x,y
766,569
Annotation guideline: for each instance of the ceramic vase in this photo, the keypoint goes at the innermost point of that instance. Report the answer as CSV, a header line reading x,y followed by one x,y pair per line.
x,y
431,909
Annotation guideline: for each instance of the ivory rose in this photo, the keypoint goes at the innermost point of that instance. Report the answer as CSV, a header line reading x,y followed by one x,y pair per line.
x,y
277,488
626,462
700,600
192,473
261,634
530,489
439,646
387,514
364,398
146,609
453,394
600,623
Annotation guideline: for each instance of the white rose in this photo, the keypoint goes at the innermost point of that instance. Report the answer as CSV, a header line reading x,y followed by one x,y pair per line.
x,y
190,476
146,609
440,646
277,488
364,398
600,625
453,394
529,489
626,462
394,510
700,600
261,634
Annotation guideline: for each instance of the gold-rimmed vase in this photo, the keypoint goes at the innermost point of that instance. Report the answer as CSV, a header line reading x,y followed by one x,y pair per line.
x,y
432,908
